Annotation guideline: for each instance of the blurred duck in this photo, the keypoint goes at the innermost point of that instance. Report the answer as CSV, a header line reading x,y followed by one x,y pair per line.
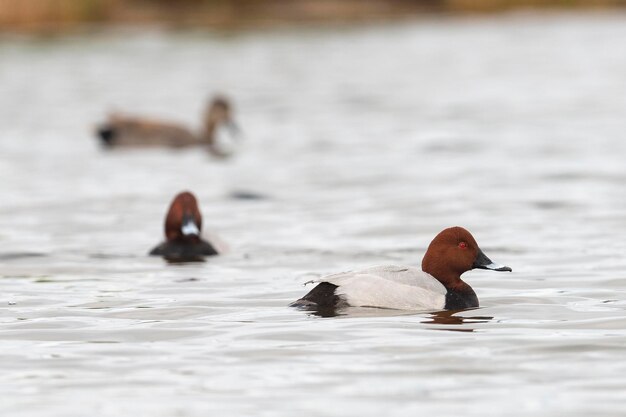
x,y
122,131
183,225
436,286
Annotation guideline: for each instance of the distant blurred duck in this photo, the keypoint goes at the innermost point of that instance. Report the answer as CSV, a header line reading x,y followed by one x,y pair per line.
x,y
122,131
183,225
436,286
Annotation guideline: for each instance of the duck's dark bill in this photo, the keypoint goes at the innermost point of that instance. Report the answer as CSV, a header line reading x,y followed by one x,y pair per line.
x,y
483,262
189,227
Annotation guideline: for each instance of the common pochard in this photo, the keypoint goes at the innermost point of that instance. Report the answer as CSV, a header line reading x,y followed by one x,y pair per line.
x,y
183,225
124,131
436,286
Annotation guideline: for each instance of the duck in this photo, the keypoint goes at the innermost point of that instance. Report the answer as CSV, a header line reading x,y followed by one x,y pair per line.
x,y
183,227
436,286
127,131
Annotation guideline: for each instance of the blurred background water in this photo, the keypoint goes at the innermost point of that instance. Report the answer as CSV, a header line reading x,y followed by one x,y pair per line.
x,y
365,142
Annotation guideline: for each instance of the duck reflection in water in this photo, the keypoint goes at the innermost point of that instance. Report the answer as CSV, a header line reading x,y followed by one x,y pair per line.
x,y
443,318
449,318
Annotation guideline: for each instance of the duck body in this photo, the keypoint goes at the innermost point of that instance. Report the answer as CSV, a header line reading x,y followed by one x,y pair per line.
x,y
134,132
436,286
184,251
387,286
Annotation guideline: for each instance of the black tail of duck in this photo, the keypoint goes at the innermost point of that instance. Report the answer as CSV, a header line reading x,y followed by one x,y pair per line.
x,y
106,134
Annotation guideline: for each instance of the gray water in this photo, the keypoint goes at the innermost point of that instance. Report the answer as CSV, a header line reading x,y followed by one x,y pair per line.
x,y
365,142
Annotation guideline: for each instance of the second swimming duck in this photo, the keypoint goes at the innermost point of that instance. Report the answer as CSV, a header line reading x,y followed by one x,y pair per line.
x,y
183,225
122,131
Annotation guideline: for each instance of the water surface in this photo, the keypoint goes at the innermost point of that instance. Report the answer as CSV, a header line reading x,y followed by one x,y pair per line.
x,y
365,142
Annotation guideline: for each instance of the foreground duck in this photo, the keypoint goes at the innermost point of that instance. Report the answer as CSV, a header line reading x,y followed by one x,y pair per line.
x,y
123,131
183,225
437,286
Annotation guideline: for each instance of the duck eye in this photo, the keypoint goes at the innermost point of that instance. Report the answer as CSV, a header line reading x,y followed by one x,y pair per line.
x,y
462,245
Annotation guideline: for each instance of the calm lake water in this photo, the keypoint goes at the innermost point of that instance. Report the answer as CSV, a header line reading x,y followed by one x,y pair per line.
x,y
365,142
